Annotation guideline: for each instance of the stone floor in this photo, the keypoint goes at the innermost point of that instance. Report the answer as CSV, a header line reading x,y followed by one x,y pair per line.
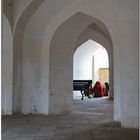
x,y
92,119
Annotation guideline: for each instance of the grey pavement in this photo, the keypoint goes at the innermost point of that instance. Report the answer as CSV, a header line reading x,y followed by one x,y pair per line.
x,y
91,119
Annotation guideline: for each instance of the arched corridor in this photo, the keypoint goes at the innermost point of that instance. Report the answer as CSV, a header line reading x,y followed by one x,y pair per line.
x,y
39,40
90,120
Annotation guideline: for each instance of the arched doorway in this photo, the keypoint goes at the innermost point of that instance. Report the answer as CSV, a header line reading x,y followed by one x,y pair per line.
x,y
90,62
65,41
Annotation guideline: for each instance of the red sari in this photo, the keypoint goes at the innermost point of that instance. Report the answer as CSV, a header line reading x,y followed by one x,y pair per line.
x,y
98,89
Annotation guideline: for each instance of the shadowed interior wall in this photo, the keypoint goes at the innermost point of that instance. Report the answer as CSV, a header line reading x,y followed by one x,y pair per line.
x,y
7,67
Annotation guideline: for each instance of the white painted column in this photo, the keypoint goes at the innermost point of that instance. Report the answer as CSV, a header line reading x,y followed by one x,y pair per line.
x,y
7,67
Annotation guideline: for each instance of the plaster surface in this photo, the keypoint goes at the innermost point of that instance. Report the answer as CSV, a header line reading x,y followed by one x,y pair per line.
x,y
83,65
7,67
19,7
34,97
82,60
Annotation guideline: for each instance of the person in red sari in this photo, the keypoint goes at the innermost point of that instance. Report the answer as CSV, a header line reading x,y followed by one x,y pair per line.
x,y
98,89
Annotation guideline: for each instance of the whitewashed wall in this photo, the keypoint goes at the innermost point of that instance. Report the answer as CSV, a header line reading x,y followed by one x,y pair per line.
x,y
83,66
100,61
7,67
82,61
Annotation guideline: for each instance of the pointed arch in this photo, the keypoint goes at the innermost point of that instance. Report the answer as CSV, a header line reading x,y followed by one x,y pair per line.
x,y
63,45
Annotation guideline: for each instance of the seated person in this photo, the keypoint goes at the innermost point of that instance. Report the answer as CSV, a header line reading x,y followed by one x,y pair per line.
x,y
106,89
98,89
87,93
